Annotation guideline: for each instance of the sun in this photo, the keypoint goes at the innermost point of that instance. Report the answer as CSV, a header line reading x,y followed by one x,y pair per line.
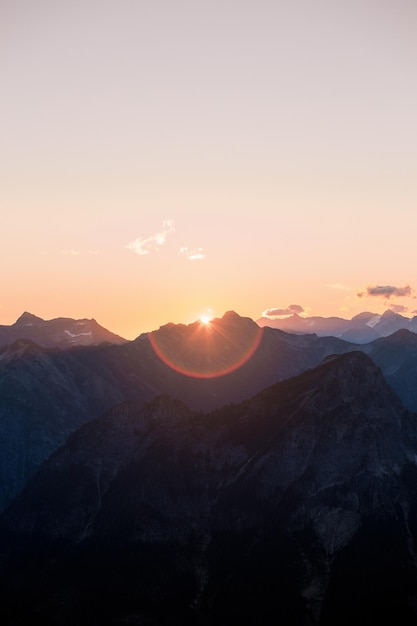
x,y
205,318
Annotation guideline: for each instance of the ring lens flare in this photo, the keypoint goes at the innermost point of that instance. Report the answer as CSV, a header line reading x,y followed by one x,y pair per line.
x,y
207,349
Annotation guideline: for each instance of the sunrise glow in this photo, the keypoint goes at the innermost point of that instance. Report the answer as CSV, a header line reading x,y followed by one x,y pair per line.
x,y
141,181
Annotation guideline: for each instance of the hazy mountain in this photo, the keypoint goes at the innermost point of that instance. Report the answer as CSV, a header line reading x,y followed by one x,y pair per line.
x,y
296,506
362,328
45,394
61,332
396,355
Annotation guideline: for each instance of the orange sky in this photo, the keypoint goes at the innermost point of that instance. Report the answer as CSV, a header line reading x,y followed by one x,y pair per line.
x,y
160,159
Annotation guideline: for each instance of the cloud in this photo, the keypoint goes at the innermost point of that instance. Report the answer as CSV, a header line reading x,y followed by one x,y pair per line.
x,y
194,254
145,245
339,286
290,310
386,291
398,308
70,252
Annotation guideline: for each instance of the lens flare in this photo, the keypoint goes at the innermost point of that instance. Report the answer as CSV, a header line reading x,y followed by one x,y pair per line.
x,y
206,349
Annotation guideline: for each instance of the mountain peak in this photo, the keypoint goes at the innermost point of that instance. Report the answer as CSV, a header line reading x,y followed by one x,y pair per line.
x,y
27,319
365,315
389,314
231,315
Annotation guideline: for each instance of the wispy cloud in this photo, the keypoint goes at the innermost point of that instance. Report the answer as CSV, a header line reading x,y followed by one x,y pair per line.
x,y
398,308
289,310
339,286
145,245
192,254
385,291
70,252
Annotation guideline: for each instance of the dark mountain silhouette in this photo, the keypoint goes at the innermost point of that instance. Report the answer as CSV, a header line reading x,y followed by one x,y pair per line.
x,y
296,507
61,332
362,328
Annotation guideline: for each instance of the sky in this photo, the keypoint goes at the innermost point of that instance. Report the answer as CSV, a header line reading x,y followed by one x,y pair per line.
x,y
164,159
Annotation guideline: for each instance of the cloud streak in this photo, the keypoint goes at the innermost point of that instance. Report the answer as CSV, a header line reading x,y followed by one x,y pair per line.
x,y
339,286
398,308
385,291
289,310
192,254
146,245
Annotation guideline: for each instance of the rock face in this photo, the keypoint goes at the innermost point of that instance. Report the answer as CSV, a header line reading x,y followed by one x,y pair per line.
x,y
61,332
297,506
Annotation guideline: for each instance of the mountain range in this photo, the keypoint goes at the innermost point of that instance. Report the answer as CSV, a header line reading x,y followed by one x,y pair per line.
x,y
208,474
47,393
362,328
61,332
297,506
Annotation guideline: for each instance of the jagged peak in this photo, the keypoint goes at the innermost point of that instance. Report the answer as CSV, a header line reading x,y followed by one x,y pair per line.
x,y
28,318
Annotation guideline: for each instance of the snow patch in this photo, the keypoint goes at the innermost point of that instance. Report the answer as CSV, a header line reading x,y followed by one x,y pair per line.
x,y
68,332
373,321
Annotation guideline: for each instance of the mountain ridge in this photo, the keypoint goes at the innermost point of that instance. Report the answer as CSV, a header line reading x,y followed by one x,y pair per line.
x,y
62,332
361,328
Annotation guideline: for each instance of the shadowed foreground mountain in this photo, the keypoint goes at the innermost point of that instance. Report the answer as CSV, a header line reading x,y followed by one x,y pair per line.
x,y
61,332
296,507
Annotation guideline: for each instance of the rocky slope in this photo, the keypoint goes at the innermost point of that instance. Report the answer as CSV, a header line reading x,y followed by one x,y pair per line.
x,y
297,506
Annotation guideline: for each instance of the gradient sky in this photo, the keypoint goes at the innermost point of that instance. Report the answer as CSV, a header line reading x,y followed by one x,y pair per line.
x,y
162,158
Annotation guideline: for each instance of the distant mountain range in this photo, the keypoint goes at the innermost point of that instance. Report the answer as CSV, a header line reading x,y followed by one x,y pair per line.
x,y
61,332
297,507
362,328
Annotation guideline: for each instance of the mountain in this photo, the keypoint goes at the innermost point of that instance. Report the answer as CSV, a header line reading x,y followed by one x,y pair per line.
x,y
396,355
45,394
297,506
362,328
61,332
